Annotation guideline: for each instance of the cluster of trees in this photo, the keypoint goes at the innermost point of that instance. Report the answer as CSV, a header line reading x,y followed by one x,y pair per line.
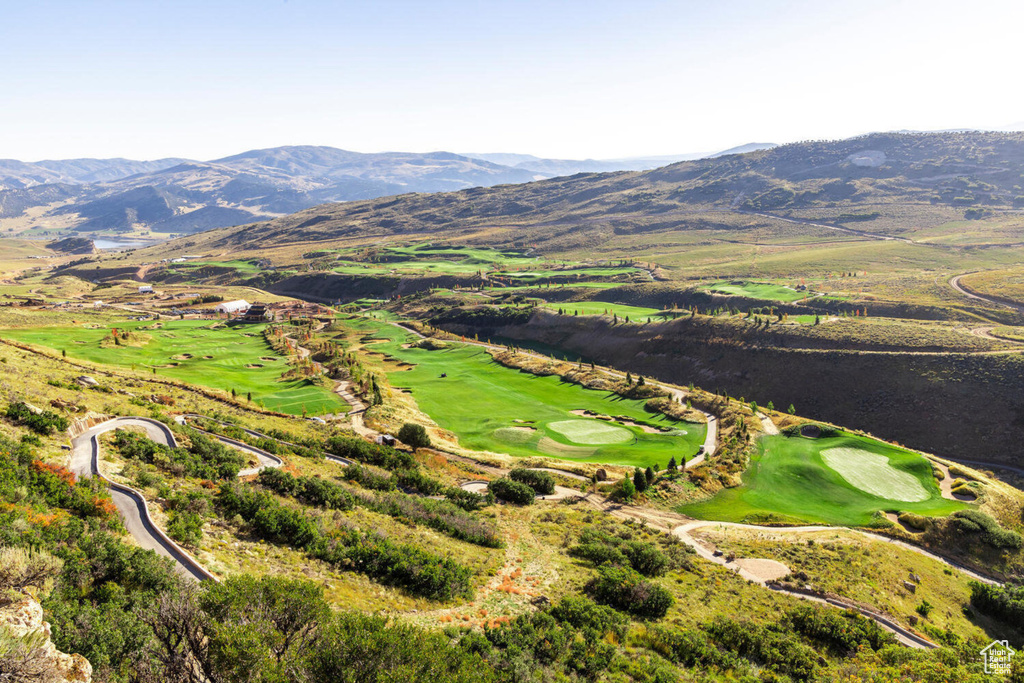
x,y
309,490
511,491
204,458
1005,603
541,482
45,422
627,590
442,516
601,547
402,565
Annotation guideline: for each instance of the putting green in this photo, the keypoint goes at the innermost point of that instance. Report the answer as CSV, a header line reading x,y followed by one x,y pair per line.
x,y
872,473
590,432
841,480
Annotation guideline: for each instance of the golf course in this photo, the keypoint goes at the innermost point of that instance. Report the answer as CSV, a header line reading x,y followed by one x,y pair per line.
x,y
602,308
494,408
842,480
759,290
201,352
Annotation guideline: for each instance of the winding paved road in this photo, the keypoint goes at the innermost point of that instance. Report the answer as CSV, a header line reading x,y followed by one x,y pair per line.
x,y
85,456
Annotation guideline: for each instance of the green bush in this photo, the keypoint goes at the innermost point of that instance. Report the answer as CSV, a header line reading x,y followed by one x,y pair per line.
x,y
541,482
45,423
627,590
414,435
355,448
976,522
185,527
511,491
205,458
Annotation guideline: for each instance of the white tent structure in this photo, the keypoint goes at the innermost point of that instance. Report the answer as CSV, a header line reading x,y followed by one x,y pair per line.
x,y
232,307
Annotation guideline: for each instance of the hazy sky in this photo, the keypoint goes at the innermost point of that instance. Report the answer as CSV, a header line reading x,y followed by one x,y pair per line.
x,y
557,78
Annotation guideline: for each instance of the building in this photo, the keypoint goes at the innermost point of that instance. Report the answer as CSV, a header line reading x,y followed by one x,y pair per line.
x,y
232,307
146,289
257,313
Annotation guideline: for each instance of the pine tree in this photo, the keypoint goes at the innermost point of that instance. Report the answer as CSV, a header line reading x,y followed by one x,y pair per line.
x,y
672,465
248,396
639,480
640,381
629,379
649,475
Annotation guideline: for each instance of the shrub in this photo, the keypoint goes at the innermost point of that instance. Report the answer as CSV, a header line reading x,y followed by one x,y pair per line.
x,y
374,454
45,423
511,491
185,527
369,479
414,435
976,522
541,482
626,590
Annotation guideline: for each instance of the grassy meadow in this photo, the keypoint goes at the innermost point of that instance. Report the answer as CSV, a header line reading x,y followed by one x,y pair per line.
x,y
203,353
840,480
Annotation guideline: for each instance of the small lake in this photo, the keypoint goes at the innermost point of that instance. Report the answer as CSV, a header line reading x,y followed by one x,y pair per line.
x,y
112,244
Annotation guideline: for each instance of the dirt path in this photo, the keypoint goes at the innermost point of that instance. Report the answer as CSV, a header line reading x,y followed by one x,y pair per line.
x,y
955,283
836,228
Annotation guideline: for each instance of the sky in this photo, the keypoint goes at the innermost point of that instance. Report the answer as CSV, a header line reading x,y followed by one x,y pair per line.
x,y
573,79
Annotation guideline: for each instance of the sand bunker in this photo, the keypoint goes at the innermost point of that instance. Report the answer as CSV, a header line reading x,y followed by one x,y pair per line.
x,y
872,473
253,366
207,357
647,429
182,356
268,358
514,434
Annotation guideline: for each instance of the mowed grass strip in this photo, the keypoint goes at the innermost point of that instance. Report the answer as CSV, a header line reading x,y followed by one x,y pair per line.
x,y
221,357
759,290
789,481
494,408
635,313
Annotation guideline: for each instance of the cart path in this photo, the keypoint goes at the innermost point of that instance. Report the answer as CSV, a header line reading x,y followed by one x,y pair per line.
x,y
955,283
85,457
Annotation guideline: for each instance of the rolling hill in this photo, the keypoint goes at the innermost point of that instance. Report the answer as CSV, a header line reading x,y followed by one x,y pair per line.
x,y
863,186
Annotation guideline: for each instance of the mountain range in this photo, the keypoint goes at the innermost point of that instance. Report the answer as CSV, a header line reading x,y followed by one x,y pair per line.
x,y
859,181
180,196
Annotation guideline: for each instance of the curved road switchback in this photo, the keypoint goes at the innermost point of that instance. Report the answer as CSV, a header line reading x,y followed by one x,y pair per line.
x,y
85,456
955,283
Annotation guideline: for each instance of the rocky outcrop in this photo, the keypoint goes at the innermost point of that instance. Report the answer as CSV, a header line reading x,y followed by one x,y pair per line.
x,y
27,651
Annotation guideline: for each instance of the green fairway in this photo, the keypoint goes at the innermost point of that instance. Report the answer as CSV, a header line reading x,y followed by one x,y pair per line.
x,y
759,290
836,480
494,408
634,313
200,352
429,259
